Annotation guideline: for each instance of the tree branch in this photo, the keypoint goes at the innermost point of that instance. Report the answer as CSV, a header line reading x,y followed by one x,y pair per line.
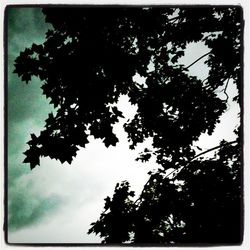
x,y
198,59
211,149
202,153
179,169
225,89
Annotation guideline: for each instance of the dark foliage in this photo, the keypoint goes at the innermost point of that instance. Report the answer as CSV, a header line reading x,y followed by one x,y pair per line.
x,y
116,225
89,59
200,204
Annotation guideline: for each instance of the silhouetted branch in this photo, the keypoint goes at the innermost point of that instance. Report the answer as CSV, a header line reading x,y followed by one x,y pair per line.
x,y
225,89
211,149
179,169
198,59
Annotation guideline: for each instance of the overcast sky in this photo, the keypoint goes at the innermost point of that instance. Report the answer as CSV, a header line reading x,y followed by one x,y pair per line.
x,y
55,203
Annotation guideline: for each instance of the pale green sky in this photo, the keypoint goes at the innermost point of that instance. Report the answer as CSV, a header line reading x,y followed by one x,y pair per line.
x,y
56,203
27,109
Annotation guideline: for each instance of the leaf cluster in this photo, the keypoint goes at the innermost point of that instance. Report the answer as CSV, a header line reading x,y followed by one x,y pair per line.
x,y
86,63
201,204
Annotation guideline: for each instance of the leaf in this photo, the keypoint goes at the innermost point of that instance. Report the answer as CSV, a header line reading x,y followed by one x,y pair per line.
x,y
110,140
32,157
117,112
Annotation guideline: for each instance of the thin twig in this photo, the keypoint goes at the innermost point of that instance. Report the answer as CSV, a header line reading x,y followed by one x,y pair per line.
x,y
198,59
225,89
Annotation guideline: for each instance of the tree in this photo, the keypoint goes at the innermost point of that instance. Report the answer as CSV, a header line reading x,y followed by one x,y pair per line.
x,y
86,63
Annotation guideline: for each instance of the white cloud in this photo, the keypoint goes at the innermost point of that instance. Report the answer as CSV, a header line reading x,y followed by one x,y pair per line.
x,y
82,187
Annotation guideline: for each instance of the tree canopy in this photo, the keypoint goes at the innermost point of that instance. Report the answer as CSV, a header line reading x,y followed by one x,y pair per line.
x,y
89,59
